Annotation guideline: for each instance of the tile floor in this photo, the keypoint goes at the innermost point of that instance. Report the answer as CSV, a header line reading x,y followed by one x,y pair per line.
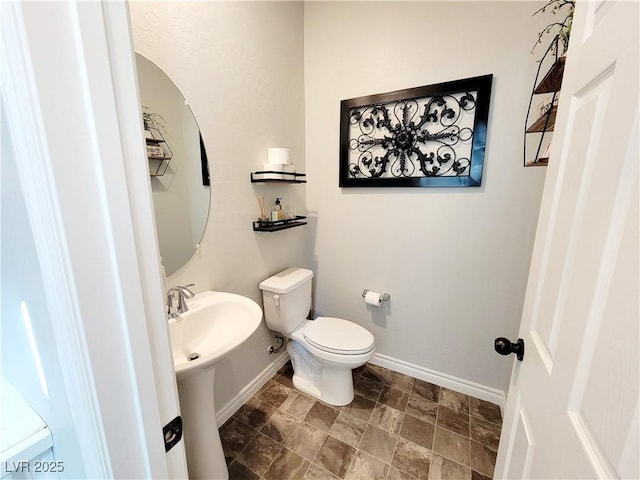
x,y
397,427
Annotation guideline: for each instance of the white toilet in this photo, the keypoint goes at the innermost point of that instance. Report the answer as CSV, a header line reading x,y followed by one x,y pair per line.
x,y
323,351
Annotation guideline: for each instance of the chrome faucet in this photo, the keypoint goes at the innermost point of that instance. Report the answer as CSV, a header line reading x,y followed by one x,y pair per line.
x,y
177,300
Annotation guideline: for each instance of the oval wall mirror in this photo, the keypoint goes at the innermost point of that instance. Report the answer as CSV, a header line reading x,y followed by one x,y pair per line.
x,y
180,185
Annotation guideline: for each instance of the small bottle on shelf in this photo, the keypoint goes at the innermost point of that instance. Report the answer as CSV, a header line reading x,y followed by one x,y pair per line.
x,y
276,212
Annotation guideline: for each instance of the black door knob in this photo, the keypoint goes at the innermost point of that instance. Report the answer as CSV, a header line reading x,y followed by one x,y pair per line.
x,y
504,347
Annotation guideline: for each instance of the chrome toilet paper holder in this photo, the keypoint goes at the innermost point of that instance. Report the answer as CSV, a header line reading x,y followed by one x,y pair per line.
x,y
384,296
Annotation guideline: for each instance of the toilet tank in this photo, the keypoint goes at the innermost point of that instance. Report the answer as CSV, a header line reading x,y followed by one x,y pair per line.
x,y
287,299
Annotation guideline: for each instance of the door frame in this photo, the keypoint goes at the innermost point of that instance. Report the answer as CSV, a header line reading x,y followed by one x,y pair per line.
x,y
70,95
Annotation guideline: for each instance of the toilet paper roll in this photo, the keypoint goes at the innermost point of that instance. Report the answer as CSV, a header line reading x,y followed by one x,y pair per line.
x,y
278,167
373,298
278,155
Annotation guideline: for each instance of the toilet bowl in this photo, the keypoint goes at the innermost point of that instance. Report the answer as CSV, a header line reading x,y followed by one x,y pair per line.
x,y
323,351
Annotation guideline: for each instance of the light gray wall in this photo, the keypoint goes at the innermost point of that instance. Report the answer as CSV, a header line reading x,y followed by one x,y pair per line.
x,y
455,260
240,66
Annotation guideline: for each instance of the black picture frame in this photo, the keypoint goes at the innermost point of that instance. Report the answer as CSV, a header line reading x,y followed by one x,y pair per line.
x,y
383,132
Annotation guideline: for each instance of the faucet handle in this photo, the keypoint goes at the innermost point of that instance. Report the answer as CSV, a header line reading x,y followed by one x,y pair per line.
x,y
182,304
171,310
188,293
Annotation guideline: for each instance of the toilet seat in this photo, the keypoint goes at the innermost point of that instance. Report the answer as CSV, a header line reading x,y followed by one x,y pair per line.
x,y
338,336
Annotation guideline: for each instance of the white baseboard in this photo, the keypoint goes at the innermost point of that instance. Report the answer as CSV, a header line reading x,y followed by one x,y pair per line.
x,y
442,379
225,413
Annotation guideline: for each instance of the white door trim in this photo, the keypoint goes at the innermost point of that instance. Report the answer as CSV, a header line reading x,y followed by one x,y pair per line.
x,y
79,149
20,97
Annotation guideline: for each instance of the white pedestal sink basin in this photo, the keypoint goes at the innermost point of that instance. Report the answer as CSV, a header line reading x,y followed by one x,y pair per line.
x,y
216,324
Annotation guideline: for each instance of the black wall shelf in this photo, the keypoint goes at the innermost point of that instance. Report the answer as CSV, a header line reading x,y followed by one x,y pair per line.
x,y
278,177
269,226
267,176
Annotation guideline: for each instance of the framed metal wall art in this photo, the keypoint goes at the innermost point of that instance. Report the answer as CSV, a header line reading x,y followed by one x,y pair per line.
x,y
430,136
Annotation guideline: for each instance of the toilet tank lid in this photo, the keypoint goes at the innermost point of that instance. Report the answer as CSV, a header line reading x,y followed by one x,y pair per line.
x,y
287,280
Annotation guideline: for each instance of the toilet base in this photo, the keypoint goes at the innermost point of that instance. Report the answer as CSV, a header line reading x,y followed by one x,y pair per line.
x,y
331,384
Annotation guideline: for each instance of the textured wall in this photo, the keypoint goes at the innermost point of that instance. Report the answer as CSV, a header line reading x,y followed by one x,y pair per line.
x,y
240,66
454,260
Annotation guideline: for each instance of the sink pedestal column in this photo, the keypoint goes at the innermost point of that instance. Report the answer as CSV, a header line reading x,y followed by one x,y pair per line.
x,y
205,457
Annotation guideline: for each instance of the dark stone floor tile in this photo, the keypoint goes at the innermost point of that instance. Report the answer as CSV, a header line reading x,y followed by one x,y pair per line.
x,y
396,474
368,388
366,467
235,436
444,469
484,432
457,422
483,458
297,405
255,413
394,398
237,471
400,381
412,459
426,390
387,418
287,367
285,379
280,426
453,446
287,465
315,472
478,476
421,408
348,428
275,394
358,371
376,372
306,440
321,416
259,454
335,456
417,431
456,401
360,407
486,410
379,443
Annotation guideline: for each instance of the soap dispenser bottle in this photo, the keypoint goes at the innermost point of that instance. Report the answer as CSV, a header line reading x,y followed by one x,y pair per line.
x,y
276,212
280,209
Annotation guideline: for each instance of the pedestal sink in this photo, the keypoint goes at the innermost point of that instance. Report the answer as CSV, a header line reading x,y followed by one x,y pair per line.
x,y
216,324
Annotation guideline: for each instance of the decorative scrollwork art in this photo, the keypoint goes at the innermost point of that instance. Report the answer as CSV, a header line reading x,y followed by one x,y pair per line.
x,y
433,135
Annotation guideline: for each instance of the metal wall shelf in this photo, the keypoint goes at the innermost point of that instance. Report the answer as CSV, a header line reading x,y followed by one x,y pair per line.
x,y
268,226
272,176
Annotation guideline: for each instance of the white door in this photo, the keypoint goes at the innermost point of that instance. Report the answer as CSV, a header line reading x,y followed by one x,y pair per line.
x,y
572,407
